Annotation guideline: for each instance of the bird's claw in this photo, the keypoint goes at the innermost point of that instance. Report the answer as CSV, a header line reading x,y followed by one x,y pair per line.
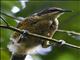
x,y
24,33
62,42
23,36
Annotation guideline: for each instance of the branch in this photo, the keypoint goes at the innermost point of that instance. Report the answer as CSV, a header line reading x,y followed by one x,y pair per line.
x,y
39,36
12,28
69,32
13,17
4,21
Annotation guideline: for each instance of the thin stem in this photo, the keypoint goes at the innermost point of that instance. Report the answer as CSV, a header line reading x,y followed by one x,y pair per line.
x,y
13,17
71,45
4,20
39,36
69,32
12,28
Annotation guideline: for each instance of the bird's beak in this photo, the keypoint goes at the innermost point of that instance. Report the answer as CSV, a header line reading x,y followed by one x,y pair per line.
x,y
64,10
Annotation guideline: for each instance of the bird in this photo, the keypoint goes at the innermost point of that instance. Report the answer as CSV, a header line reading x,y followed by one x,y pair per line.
x,y
44,23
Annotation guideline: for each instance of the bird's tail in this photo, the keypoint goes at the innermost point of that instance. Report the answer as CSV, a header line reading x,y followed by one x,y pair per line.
x,y
18,57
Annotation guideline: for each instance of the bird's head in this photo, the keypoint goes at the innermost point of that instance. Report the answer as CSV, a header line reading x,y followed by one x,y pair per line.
x,y
52,12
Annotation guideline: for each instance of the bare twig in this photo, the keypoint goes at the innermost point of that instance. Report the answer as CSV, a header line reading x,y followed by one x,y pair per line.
x,y
4,21
39,36
69,32
13,17
12,28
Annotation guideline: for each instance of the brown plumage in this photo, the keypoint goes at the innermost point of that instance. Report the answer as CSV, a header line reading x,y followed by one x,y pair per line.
x,y
43,23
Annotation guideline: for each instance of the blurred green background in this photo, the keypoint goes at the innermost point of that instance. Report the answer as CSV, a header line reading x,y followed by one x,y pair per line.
x,y
68,21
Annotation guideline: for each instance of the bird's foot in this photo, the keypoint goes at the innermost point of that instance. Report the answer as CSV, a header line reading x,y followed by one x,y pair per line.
x,y
59,43
23,36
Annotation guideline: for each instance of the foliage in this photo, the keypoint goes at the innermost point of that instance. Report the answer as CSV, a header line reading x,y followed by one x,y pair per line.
x,y
68,21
